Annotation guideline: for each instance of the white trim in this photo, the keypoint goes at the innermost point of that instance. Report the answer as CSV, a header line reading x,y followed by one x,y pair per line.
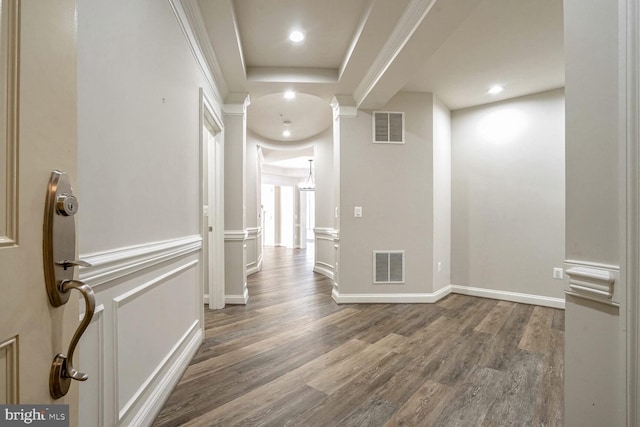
x,y
205,58
344,107
199,30
256,267
509,296
120,300
10,346
395,298
237,299
98,321
629,92
596,283
235,235
324,271
154,403
411,18
237,108
134,293
590,264
113,264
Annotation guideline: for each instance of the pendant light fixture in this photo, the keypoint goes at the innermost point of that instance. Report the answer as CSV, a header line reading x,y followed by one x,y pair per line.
x,y
310,184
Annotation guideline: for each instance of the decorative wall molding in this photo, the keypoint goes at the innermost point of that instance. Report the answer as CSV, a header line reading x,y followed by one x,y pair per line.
x,y
325,236
590,264
235,235
324,269
509,296
236,104
174,364
412,17
591,283
98,322
120,301
190,19
391,298
254,257
9,140
237,299
344,106
116,263
9,351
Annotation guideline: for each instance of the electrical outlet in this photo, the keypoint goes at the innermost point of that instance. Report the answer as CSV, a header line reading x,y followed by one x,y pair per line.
x,y
558,273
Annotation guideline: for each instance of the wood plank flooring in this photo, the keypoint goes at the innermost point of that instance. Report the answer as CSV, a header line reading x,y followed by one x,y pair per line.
x,y
292,357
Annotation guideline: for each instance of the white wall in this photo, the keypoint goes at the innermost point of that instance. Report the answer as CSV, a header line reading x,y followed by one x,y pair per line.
x,y
508,195
138,150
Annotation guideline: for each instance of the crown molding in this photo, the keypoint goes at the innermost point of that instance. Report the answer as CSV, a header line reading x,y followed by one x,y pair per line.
x,y
413,15
190,19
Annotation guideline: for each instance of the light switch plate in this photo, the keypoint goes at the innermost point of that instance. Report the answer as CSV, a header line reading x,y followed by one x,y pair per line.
x,y
558,273
357,211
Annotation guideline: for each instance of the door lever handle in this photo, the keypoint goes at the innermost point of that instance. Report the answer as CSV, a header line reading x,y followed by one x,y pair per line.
x,y
76,263
62,370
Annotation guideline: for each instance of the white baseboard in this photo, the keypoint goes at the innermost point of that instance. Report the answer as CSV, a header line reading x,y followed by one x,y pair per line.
x,y
400,298
237,299
509,296
323,270
253,269
397,298
153,405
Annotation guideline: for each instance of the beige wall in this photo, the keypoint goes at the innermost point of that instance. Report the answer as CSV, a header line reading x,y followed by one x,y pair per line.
x,y
441,195
508,195
394,186
595,344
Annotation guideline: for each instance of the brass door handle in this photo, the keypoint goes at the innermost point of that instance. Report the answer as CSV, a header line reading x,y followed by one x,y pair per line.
x,y
62,370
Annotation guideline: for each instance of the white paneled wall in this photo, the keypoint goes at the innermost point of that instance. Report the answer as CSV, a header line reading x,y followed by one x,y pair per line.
x,y
145,329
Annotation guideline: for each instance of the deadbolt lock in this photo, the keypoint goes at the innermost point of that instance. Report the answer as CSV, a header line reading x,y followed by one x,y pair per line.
x,y
66,204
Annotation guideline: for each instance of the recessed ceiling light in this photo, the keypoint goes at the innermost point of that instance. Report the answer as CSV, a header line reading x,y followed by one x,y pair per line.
x,y
296,36
289,94
286,134
493,90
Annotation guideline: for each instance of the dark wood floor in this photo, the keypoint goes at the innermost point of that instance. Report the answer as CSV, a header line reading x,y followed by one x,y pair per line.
x,y
293,357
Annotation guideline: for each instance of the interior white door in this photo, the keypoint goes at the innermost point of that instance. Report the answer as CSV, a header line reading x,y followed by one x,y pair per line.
x,y
37,135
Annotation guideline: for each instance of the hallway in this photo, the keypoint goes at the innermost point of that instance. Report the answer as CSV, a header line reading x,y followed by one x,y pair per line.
x,y
294,357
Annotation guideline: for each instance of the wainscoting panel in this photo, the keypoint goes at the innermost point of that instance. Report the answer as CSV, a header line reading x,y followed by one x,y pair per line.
x,y
91,362
9,371
146,330
325,252
254,250
141,352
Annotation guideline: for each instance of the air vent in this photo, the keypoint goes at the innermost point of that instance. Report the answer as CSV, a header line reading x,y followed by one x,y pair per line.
x,y
388,127
388,267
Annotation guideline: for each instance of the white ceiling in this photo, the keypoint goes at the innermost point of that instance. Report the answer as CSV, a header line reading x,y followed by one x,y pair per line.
x,y
368,50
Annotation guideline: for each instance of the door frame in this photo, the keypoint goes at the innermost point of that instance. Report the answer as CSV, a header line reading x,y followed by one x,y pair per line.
x,y
211,176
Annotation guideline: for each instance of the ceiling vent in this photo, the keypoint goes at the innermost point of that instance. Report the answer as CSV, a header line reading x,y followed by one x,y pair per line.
x,y
388,127
388,267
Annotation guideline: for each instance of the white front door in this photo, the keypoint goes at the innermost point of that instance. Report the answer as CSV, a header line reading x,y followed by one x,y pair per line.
x,y
37,135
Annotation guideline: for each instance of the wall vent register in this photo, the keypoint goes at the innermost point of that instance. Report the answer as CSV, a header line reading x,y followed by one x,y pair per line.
x,y
388,267
388,127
